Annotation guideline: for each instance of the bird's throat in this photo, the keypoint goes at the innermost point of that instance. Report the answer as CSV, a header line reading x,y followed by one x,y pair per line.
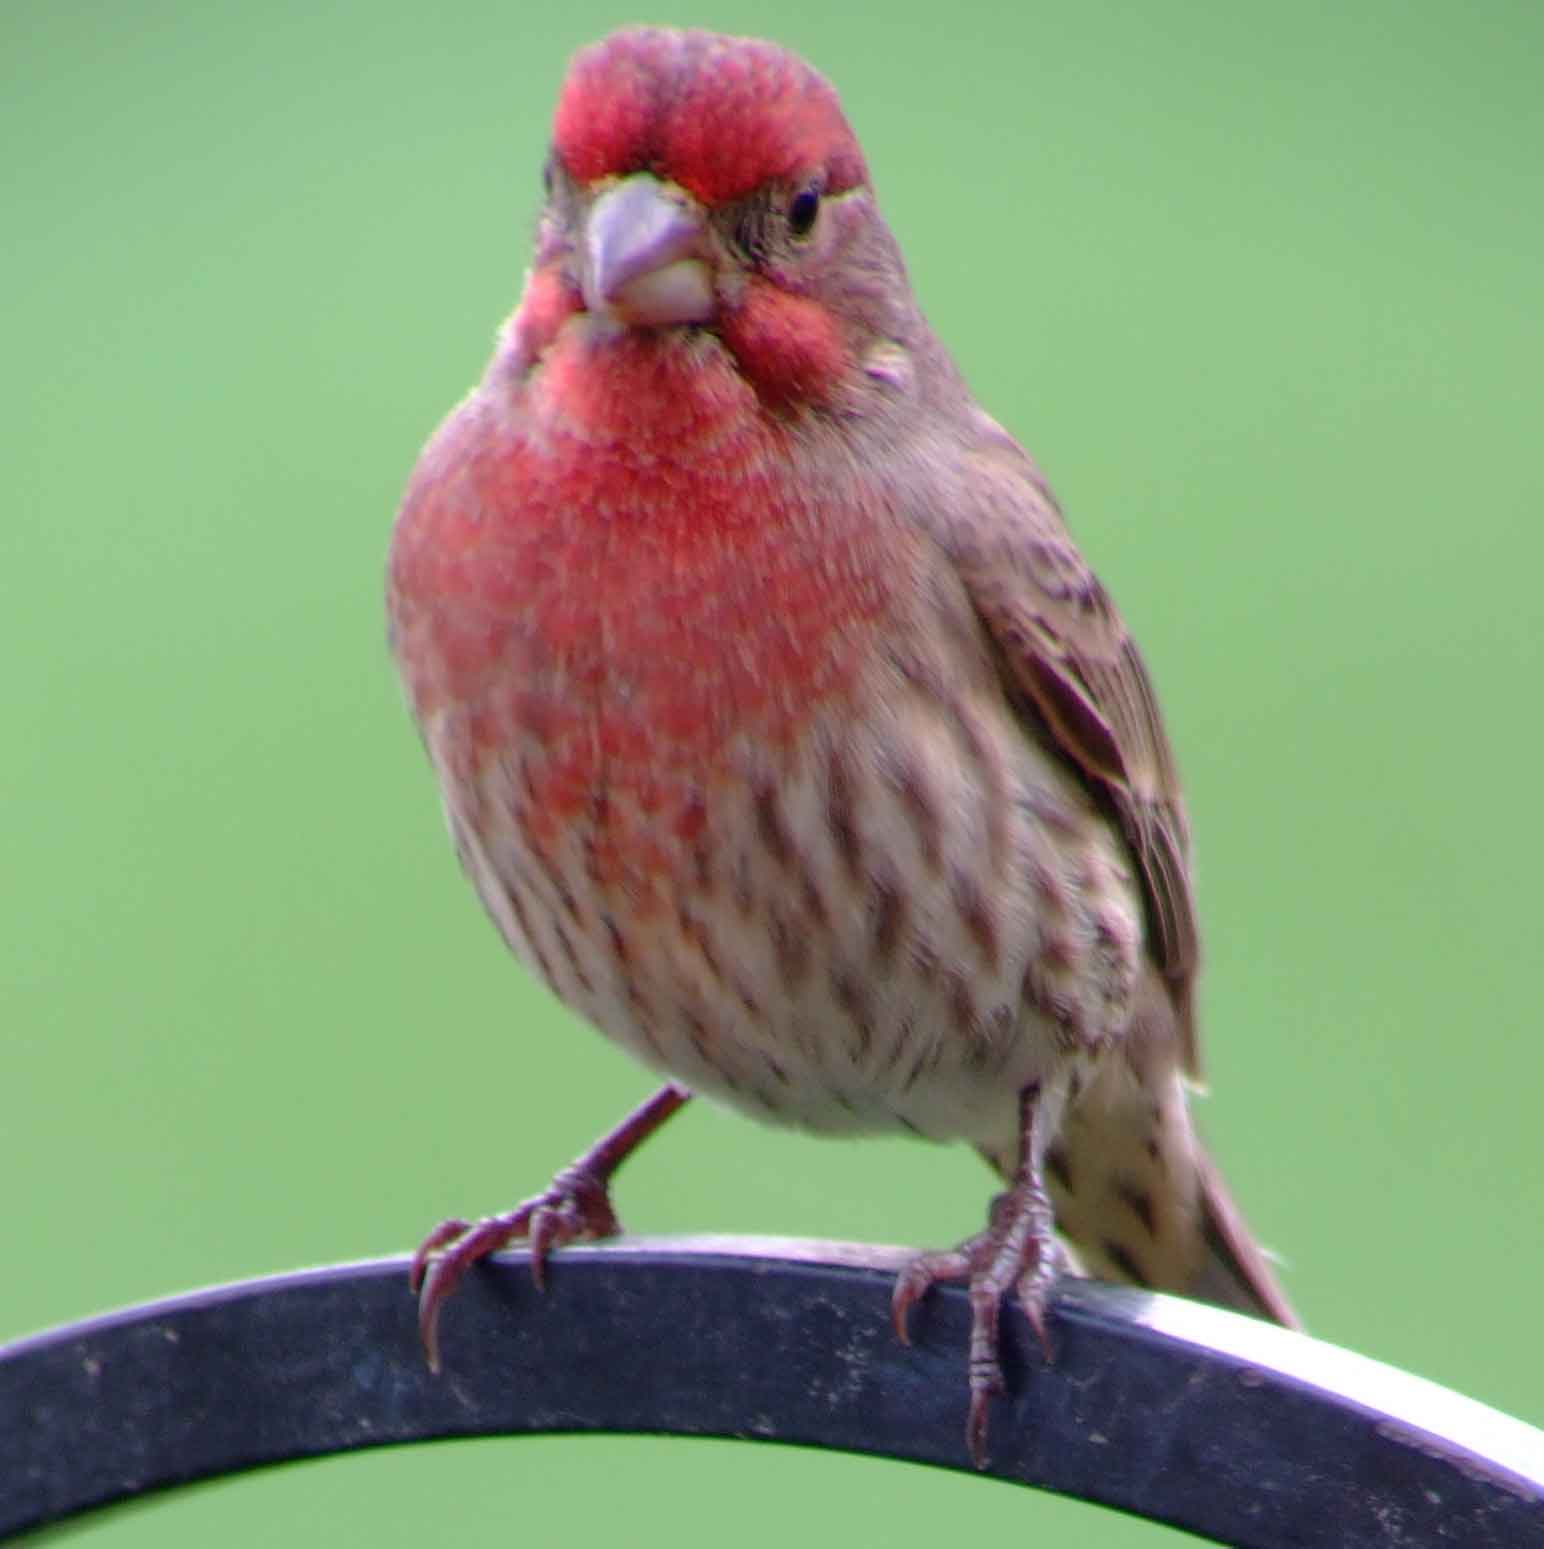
x,y
661,581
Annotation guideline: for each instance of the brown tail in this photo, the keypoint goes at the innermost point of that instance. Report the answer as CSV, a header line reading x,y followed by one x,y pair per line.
x,y
1234,1273
1141,1201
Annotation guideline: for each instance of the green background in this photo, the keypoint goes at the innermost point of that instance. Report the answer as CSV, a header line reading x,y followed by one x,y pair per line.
x,y
1260,286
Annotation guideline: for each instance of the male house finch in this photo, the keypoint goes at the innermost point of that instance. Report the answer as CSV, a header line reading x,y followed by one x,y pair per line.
x,y
781,728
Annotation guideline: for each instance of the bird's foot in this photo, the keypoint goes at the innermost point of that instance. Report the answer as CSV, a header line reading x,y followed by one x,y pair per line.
x,y
1017,1252
575,1207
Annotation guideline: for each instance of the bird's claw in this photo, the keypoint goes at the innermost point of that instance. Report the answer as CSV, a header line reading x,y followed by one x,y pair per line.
x,y
575,1207
920,1275
1017,1252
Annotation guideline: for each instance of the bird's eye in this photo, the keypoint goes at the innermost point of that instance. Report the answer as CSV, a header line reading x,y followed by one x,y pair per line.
x,y
546,177
802,210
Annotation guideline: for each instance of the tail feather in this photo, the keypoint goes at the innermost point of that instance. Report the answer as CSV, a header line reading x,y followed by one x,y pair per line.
x,y
1235,1271
1141,1202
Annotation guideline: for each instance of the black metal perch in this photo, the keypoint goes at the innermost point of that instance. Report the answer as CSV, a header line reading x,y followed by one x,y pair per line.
x,y
1237,1431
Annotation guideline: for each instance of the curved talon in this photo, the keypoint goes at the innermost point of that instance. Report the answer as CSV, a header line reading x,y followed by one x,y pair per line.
x,y
544,1236
902,1299
575,1207
1036,1315
910,1288
463,1245
446,1231
1033,1288
919,1277
438,1284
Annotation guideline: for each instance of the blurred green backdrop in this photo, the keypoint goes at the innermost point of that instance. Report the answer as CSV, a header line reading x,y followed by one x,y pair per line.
x,y
1261,287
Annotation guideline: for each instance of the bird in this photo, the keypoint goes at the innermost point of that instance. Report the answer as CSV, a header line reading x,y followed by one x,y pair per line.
x,y
781,727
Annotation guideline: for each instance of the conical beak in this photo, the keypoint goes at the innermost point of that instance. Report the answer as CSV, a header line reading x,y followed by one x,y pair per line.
x,y
644,255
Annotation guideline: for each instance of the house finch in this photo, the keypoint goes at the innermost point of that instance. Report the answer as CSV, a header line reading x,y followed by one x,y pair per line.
x,y
780,726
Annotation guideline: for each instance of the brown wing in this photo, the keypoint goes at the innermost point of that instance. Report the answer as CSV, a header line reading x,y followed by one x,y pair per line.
x,y
1068,651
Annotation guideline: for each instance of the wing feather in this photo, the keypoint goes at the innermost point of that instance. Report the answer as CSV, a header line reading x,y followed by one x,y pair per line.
x,y
1067,652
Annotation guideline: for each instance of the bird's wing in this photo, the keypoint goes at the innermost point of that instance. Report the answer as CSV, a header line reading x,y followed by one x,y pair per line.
x,y
1066,650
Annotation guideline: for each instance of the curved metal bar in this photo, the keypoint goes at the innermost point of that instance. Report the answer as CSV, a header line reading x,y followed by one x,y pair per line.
x,y
1238,1431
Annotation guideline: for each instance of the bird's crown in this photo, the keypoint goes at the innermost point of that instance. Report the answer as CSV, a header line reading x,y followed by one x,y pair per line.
x,y
720,116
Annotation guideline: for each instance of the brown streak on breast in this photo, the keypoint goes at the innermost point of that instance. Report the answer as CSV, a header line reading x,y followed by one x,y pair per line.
x,y
841,817
702,870
1050,890
791,948
921,809
927,1058
517,908
983,756
924,960
555,879
970,902
571,956
697,1032
853,999
814,899
962,1006
743,891
900,1042
890,910
543,963
695,930
771,830
600,814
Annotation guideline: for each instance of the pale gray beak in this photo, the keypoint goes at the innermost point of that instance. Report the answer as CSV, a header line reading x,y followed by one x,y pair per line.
x,y
644,255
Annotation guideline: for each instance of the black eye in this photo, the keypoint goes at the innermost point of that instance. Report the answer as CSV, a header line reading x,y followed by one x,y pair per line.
x,y
802,210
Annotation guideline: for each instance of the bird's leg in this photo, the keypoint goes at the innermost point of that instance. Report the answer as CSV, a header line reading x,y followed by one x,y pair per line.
x,y
1018,1251
575,1207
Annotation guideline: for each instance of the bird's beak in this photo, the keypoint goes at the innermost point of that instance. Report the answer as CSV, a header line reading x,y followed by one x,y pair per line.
x,y
644,248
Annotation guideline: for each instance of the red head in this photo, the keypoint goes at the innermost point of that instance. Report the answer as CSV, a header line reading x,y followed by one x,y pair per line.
x,y
719,117
700,182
